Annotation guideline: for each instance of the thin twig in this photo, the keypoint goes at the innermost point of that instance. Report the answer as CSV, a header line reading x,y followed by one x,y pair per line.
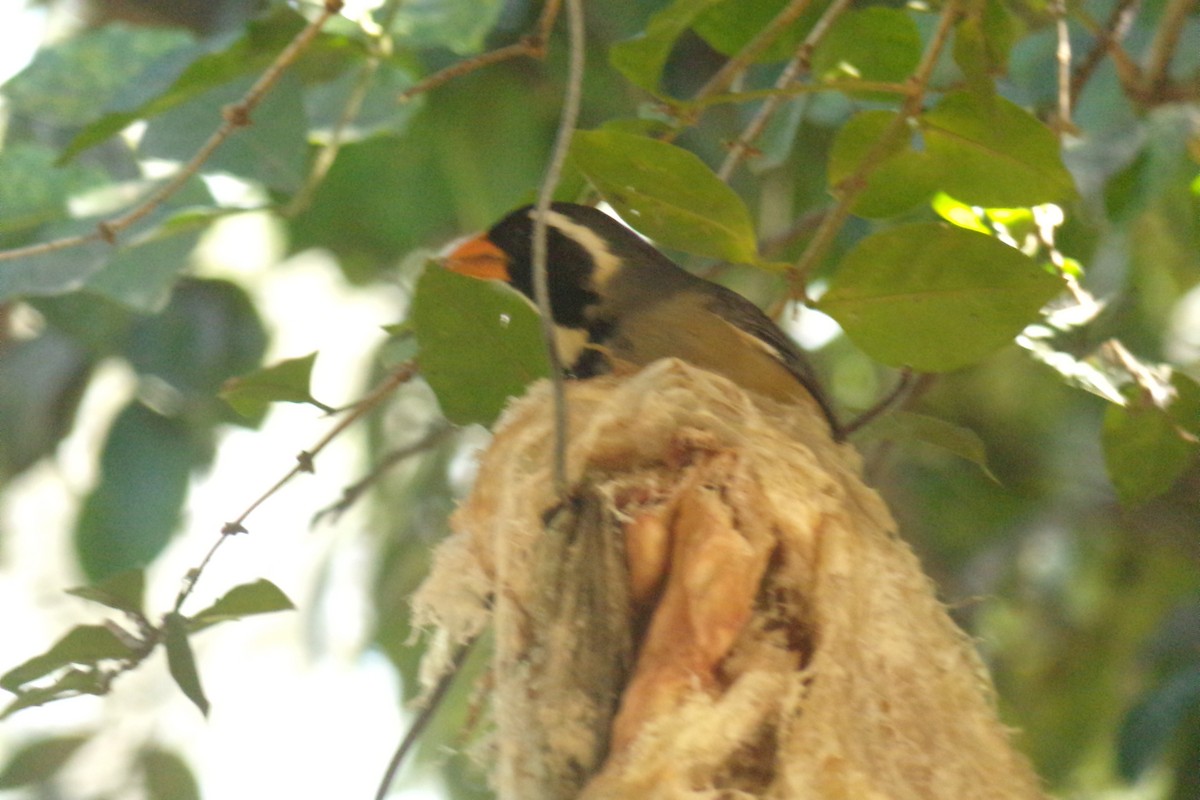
x,y
799,64
531,46
1062,55
541,291
432,703
849,189
1162,49
881,405
234,117
400,375
1108,38
351,493
735,66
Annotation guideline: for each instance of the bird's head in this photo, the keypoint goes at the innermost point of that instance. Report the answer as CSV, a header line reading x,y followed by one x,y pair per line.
x,y
585,248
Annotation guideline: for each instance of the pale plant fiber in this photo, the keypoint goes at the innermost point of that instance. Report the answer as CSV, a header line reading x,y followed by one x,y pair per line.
x,y
724,610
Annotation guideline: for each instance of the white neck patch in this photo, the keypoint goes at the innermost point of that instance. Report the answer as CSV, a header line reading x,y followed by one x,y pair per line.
x,y
606,264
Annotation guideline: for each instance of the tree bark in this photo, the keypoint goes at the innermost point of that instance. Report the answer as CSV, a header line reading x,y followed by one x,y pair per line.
x,y
721,609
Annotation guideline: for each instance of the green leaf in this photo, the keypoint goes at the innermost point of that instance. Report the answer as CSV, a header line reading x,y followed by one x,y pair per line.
x,y
1151,726
168,776
284,382
32,190
124,591
480,344
1185,408
989,152
728,26
667,193
180,660
905,426
272,149
69,83
1144,451
83,644
903,177
259,597
130,515
957,213
641,59
71,683
873,44
41,382
142,273
935,298
187,73
457,25
39,761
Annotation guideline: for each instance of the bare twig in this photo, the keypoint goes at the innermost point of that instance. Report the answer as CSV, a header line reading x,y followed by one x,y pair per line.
x,y
531,46
851,187
351,493
799,64
234,117
881,405
432,703
1155,78
541,291
1062,55
1107,39
399,376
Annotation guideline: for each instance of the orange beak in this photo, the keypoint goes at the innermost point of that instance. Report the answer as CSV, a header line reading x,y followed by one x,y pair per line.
x,y
478,258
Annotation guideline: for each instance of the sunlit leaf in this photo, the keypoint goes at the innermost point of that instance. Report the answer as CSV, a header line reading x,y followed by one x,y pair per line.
x,y
84,644
286,381
667,193
180,660
901,177
934,297
991,152
259,597
871,44
124,591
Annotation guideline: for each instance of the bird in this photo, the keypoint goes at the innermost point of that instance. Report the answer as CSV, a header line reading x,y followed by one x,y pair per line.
x,y
617,301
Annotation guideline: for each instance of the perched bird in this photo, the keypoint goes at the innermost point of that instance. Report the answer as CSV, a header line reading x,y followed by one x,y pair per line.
x,y
615,298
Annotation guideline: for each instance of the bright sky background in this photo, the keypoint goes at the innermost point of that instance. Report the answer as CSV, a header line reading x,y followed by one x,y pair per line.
x,y
299,710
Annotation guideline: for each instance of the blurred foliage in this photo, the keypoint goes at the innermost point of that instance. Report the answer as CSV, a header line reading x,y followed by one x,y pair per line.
x,y
1072,555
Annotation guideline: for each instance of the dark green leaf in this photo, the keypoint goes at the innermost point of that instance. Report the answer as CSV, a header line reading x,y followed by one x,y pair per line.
x,y
642,58
989,152
130,515
180,660
124,591
33,190
83,644
729,25
903,177
284,382
905,426
1150,726
325,104
209,332
873,44
480,344
39,761
71,82
184,75
1144,451
272,150
141,274
41,382
667,193
457,25
168,776
259,597
934,297
71,683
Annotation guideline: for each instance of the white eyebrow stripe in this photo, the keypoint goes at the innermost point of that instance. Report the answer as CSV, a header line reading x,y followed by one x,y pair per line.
x,y
606,264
